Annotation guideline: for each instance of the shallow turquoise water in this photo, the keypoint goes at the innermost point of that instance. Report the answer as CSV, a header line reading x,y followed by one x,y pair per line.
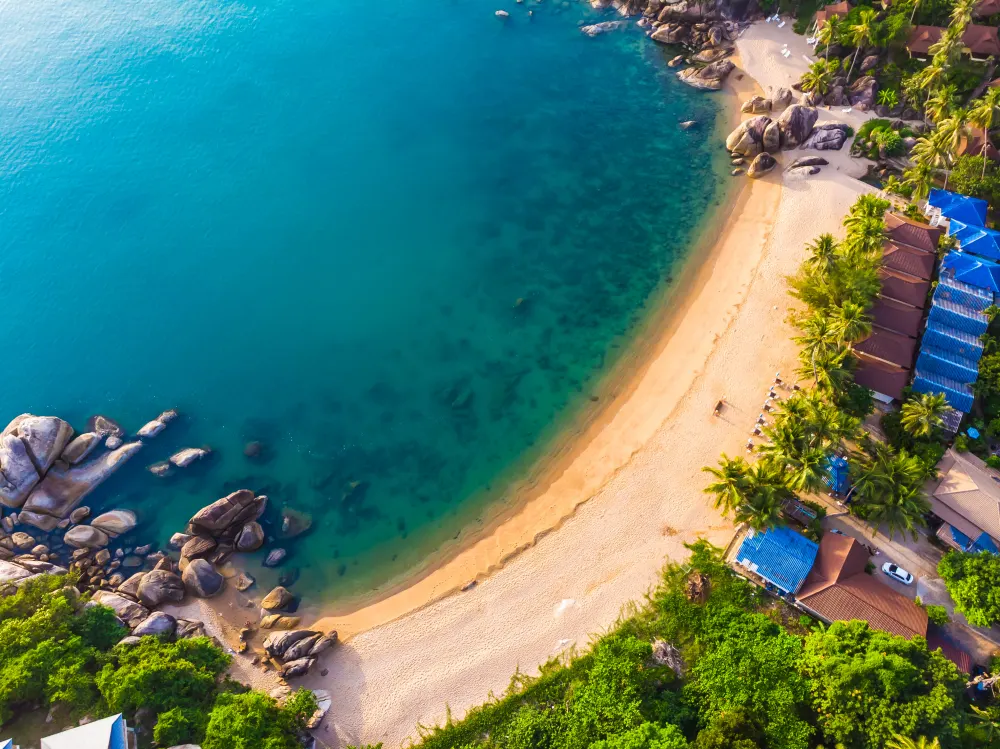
x,y
310,223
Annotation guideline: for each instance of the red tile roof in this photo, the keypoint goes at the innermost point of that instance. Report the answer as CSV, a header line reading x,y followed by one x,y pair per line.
x,y
908,260
953,653
893,315
838,589
981,41
881,377
904,287
833,9
910,233
888,346
986,8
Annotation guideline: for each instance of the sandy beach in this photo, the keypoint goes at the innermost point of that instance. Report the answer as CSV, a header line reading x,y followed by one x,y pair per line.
x,y
562,568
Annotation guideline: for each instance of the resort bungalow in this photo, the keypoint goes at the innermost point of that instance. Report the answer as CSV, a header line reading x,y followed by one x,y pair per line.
x,y
888,346
838,589
950,205
986,8
906,259
904,288
972,142
109,733
892,315
979,42
975,240
823,15
914,234
778,557
886,381
967,500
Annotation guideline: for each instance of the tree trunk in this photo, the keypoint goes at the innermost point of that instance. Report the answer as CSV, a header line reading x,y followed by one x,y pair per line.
x,y
853,60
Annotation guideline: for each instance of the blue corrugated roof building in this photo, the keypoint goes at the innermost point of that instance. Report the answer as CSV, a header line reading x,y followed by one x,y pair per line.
x,y
958,394
952,315
952,339
962,208
780,556
983,543
977,240
837,476
953,290
972,270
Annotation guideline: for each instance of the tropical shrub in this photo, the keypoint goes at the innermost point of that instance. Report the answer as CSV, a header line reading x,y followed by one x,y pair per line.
x,y
973,581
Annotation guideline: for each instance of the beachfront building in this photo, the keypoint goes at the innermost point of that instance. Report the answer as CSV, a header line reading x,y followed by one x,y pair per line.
x,y
968,284
885,358
967,501
824,14
109,733
838,589
979,42
777,558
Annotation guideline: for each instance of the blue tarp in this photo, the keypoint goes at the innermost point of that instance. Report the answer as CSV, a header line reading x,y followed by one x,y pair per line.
x,y
972,270
780,556
983,543
958,395
836,474
952,290
968,210
952,339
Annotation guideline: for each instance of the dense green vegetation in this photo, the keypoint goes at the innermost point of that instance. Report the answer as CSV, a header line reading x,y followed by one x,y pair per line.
x,y
973,582
57,653
751,676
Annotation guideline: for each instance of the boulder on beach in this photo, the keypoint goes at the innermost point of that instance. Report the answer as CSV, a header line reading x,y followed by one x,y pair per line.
x,y
86,537
80,447
159,586
202,579
761,165
187,456
756,105
130,612
807,161
827,137
130,587
45,523
157,624
232,511
862,93
79,514
323,702
116,522
279,621
772,138
62,489
190,628
22,540
296,667
197,547
781,99
278,599
748,137
796,124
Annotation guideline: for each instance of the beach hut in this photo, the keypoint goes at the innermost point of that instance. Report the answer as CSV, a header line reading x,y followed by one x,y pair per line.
x,y
824,14
886,345
896,316
905,288
979,42
951,205
911,233
778,556
907,259
886,381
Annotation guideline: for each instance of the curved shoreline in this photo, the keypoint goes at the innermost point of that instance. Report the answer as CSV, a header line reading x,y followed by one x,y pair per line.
x,y
629,499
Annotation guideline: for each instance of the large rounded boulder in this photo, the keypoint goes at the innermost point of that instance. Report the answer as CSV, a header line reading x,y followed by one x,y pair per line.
x,y
761,165
159,586
748,138
202,579
796,124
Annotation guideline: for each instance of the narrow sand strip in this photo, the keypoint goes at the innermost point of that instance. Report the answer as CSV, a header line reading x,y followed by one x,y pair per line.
x,y
630,499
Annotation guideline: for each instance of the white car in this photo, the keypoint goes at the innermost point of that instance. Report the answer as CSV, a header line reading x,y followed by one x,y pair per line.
x,y
897,573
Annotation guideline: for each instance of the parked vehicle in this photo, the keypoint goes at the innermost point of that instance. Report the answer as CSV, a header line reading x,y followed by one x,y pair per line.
x,y
897,573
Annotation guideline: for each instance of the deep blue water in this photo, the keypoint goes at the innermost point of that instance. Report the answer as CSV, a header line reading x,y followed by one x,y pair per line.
x,y
397,244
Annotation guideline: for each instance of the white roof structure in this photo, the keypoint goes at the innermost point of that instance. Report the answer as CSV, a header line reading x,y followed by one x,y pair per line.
x,y
108,733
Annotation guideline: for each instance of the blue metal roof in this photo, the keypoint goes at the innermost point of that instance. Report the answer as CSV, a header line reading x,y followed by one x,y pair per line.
x,y
953,290
958,316
952,339
6,743
946,364
958,395
983,543
837,477
961,207
972,270
779,555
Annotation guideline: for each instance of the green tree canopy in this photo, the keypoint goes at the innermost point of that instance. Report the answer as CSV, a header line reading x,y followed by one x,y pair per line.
x,y
253,720
973,581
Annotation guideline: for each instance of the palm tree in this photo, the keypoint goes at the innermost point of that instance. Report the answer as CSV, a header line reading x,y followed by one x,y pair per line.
x,y
831,370
919,179
940,102
889,486
923,414
961,13
806,470
860,34
985,114
767,492
865,235
951,129
902,742
913,12
829,34
947,50
731,484
850,323
868,205
823,250
818,340
989,719
819,76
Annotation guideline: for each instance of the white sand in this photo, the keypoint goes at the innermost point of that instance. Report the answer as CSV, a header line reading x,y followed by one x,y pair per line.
x,y
412,660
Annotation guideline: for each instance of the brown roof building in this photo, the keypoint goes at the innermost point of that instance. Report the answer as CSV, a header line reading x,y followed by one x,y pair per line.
x,y
979,42
894,348
971,143
906,232
833,9
886,380
908,260
967,499
896,316
904,288
838,589
986,8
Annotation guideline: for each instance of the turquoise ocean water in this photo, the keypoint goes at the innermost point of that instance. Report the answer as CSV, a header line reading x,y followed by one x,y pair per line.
x,y
397,244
